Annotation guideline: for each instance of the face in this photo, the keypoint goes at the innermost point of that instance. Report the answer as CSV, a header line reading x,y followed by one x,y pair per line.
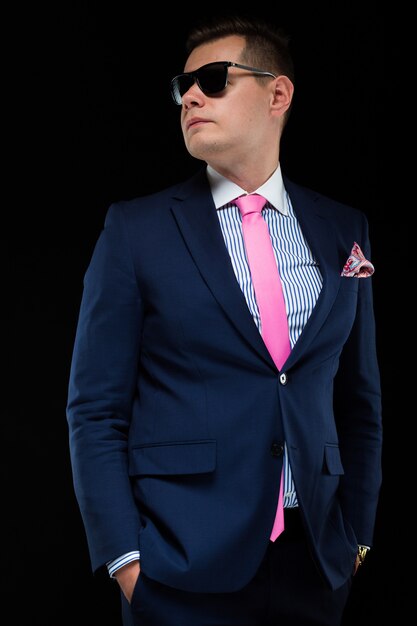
x,y
236,125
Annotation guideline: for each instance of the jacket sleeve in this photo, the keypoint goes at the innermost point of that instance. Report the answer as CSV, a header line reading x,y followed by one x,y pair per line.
x,y
101,389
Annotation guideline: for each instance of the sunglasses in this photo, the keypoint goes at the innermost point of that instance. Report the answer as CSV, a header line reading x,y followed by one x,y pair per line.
x,y
211,78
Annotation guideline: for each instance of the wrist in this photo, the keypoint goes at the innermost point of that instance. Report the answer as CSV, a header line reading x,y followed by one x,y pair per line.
x,y
127,577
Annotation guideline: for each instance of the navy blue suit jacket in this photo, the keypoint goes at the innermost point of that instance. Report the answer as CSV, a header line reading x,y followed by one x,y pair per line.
x,y
175,403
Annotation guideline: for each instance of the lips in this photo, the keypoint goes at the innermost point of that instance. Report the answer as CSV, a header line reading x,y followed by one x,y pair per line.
x,y
194,121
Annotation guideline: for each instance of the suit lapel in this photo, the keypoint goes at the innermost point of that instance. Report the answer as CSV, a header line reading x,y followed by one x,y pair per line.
x,y
195,214
319,233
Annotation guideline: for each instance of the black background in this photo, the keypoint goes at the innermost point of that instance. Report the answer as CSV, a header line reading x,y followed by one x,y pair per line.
x,y
91,121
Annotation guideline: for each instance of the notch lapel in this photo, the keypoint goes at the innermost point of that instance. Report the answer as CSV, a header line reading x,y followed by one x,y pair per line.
x,y
318,231
195,213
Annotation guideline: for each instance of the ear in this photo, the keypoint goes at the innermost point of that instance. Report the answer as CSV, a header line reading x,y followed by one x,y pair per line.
x,y
282,95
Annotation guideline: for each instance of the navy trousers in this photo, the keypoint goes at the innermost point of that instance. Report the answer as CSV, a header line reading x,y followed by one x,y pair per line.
x,y
287,590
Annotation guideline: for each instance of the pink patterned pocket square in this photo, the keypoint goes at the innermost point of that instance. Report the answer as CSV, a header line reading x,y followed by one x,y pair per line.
x,y
357,265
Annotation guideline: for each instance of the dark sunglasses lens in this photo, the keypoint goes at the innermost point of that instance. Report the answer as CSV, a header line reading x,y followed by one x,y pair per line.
x,y
213,78
180,85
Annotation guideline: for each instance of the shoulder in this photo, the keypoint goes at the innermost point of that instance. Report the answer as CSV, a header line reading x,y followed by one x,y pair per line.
x,y
331,208
155,205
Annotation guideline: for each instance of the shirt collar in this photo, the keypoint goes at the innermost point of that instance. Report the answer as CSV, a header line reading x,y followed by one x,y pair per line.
x,y
224,191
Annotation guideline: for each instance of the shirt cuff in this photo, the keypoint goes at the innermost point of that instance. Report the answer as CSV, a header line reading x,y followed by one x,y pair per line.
x,y
115,564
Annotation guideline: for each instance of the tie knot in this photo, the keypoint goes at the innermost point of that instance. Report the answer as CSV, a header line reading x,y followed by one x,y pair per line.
x,y
250,203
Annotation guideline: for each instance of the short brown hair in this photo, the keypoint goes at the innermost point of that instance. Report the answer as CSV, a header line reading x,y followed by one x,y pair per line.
x,y
267,46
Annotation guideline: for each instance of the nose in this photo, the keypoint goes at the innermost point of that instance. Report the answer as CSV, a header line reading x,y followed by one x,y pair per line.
x,y
193,97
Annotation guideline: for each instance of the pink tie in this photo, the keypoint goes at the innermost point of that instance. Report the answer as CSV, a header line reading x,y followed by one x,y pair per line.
x,y
269,297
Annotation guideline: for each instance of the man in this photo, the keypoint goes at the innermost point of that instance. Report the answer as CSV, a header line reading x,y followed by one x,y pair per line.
x,y
181,422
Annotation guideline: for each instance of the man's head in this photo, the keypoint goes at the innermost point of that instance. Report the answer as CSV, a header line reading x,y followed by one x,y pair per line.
x,y
265,46
230,112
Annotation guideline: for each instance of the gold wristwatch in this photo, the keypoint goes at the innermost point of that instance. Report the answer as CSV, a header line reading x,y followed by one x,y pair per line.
x,y
362,552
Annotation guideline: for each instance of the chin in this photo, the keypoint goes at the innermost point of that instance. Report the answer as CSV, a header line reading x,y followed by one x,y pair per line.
x,y
202,150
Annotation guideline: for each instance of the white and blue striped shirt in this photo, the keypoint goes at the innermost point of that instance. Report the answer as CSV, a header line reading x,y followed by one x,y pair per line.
x,y
299,271
300,275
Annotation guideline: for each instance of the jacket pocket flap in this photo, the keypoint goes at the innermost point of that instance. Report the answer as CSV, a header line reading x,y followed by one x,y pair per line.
x,y
180,457
332,460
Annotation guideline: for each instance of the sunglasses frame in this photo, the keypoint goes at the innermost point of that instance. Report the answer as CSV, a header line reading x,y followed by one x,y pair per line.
x,y
175,92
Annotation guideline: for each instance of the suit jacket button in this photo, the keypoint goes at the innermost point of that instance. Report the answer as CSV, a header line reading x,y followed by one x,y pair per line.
x,y
277,449
283,378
